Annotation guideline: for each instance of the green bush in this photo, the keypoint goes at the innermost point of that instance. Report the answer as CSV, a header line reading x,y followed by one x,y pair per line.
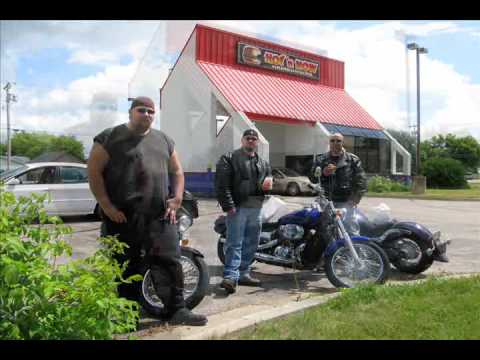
x,y
444,173
381,184
42,299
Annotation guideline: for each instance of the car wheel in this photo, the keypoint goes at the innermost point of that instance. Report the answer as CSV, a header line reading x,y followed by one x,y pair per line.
x,y
293,189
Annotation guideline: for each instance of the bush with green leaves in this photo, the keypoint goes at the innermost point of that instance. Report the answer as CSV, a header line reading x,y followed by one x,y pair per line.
x,y
444,173
381,184
42,298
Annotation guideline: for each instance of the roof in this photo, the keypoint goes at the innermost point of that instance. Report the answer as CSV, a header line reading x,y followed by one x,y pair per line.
x,y
355,131
55,163
270,96
56,156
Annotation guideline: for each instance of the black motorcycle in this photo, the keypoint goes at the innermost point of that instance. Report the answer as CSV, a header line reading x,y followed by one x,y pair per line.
x,y
411,247
195,270
303,238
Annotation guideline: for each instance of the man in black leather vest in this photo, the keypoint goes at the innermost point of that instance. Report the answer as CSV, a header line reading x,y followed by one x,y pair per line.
x,y
129,168
241,180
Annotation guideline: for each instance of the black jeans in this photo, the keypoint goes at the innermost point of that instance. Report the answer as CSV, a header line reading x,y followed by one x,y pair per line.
x,y
159,239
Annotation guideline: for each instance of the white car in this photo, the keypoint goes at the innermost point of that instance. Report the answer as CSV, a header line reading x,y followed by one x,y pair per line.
x,y
67,184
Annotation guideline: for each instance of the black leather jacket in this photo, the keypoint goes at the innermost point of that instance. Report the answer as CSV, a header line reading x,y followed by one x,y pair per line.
x,y
349,180
232,178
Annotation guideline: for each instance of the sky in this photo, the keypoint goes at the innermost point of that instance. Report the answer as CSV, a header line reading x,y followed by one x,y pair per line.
x,y
59,67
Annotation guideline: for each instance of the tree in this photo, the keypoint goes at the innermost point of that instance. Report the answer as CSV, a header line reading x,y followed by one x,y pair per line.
x,y
35,144
464,149
409,142
3,149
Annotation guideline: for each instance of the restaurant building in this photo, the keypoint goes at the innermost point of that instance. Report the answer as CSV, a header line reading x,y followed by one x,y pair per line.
x,y
224,83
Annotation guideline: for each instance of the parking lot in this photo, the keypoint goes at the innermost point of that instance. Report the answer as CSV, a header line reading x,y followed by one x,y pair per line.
x,y
456,219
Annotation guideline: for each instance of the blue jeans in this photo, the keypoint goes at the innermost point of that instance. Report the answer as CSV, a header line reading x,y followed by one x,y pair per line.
x,y
243,235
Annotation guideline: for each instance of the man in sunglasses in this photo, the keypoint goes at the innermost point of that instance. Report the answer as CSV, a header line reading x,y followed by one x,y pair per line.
x,y
130,168
342,176
241,180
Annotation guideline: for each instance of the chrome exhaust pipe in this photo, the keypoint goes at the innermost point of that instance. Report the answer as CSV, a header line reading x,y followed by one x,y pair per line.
x,y
270,259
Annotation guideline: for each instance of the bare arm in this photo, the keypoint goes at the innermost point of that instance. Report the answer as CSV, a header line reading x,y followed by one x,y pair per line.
x,y
97,161
178,186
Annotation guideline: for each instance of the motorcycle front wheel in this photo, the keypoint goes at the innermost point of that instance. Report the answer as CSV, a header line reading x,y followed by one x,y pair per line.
x,y
343,271
196,281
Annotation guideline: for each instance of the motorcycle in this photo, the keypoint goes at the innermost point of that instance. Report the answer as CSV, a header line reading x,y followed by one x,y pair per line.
x,y
195,270
411,247
304,238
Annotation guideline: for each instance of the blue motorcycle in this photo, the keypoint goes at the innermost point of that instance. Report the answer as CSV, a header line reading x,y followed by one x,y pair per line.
x,y
314,236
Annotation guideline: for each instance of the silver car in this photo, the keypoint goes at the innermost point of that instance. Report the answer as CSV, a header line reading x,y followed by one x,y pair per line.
x,y
289,182
66,184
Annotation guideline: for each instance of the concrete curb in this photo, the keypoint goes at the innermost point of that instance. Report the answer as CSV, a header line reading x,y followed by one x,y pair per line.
x,y
237,319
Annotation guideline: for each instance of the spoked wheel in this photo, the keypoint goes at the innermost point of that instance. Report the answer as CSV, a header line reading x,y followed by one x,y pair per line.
x,y
343,271
196,281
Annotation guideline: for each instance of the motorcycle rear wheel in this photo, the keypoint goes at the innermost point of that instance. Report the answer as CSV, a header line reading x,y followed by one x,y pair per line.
x,y
418,248
343,271
196,282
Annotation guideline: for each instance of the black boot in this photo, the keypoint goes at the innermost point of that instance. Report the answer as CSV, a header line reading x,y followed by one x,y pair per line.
x,y
184,316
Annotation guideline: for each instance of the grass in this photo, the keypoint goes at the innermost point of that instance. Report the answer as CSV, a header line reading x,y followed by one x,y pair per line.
x,y
436,194
435,309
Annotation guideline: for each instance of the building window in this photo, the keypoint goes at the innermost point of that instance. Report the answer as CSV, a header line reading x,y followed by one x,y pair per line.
x,y
221,117
374,154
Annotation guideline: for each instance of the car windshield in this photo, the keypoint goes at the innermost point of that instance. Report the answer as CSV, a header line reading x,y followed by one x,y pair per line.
x,y
11,173
289,172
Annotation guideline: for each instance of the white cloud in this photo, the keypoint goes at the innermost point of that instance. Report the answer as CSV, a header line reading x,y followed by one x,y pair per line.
x,y
90,57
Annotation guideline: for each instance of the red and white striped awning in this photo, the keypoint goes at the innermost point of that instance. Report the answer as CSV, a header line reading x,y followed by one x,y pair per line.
x,y
280,97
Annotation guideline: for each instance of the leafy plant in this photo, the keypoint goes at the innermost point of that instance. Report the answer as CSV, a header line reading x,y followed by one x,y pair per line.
x,y
381,184
445,173
42,298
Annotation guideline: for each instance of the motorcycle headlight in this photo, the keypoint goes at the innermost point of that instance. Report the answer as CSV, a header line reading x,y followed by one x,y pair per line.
x,y
184,222
291,232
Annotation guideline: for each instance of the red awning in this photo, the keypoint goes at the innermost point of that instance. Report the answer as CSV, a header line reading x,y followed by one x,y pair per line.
x,y
267,95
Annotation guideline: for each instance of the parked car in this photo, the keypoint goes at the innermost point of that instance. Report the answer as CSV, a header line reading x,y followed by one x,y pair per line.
x,y
289,182
67,184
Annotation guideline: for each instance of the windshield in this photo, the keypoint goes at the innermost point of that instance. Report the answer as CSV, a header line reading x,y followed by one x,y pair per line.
x,y
11,173
289,172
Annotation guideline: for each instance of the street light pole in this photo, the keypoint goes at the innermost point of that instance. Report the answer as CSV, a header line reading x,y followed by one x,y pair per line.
x,y
418,50
419,182
417,170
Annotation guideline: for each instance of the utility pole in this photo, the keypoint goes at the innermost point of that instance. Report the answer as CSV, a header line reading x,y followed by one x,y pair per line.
x,y
10,98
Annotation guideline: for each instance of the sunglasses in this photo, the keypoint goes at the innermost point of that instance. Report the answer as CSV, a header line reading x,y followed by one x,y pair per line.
x,y
145,110
251,138
336,141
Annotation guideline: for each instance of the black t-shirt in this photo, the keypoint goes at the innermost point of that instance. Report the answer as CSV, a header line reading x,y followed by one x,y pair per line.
x,y
137,172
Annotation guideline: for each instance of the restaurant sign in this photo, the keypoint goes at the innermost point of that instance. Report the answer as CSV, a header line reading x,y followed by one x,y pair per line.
x,y
277,61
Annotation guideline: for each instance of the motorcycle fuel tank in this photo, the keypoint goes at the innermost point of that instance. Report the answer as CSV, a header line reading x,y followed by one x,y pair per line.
x,y
306,217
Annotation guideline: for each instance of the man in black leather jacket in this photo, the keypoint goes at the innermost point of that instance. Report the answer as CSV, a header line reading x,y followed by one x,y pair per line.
x,y
242,177
342,176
